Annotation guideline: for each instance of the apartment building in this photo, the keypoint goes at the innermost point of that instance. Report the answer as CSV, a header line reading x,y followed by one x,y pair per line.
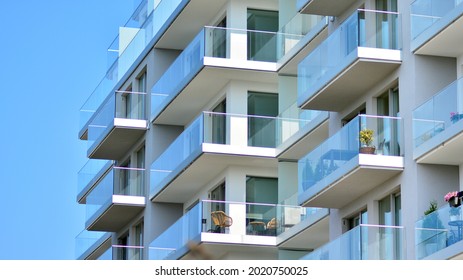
x,y
276,129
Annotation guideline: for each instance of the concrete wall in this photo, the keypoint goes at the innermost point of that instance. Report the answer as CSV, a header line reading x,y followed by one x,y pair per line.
x,y
158,218
287,89
287,182
287,10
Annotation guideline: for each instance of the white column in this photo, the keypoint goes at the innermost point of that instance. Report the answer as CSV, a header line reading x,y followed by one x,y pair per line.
x,y
287,96
237,103
237,19
235,190
287,182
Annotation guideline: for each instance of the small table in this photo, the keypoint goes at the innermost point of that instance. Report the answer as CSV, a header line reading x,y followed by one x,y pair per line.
x,y
257,228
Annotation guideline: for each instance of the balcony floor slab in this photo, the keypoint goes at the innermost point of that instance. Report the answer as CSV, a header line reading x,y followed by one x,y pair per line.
x,y
442,37
193,174
118,139
116,213
308,234
444,148
350,82
354,179
213,77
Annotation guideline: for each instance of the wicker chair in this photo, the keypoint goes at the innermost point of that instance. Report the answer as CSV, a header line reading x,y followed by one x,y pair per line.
x,y
272,227
221,221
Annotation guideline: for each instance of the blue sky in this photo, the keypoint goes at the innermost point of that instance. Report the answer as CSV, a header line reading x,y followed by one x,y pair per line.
x,y
52,56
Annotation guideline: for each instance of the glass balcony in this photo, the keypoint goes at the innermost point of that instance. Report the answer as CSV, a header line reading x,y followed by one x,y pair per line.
x,y
364,242
127,33
437,129
232,223
299,131
194,79
171,16
116,199
91,244
296,29
212,137
333,75
140,32
107,255
297,38
343,167
123,252
436,27
324,7
89,174
126,50
117,125
216,136
308,233
437,231
184,230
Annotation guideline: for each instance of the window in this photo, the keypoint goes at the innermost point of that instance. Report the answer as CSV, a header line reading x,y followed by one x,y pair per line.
x,y
358,219
386,24
139,171
141,157
262,45
124,178
386,5
217,195
121,249
219,40
127,102
139,98
260,192
357,246
219,124
360,111
387,104
390,238
261,130
134,99
142,83
138,241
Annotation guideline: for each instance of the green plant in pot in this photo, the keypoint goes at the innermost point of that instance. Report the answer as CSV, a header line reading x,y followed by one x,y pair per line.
x,y
366,137
432,220
433,233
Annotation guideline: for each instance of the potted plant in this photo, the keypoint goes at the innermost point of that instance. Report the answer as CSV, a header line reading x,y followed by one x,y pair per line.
x,y
432,208
432,233
453,198
366,139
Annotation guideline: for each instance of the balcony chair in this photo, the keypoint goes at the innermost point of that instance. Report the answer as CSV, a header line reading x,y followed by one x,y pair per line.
x,y
221,221
272,227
